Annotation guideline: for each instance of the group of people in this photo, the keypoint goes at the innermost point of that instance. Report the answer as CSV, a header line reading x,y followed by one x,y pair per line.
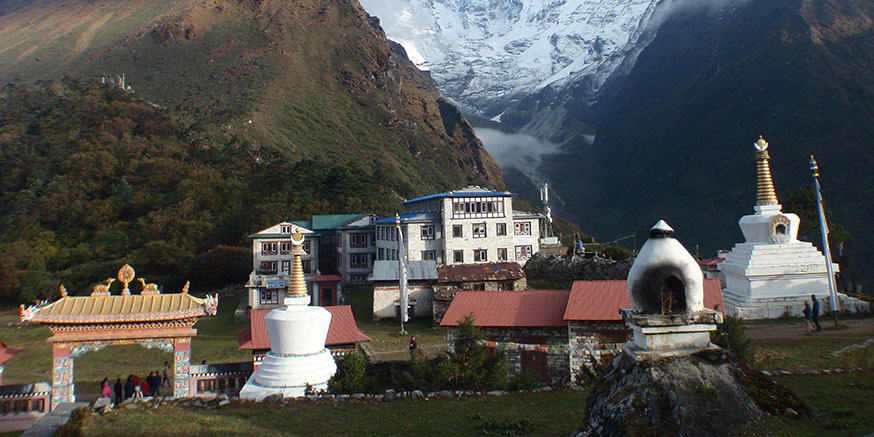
x,y
135,387
811,315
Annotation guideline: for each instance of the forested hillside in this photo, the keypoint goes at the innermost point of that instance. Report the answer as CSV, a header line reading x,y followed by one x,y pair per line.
x,y
243,113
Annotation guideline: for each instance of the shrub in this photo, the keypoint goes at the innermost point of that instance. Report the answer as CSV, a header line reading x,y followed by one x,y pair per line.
x,y
472,366
732,336
351,376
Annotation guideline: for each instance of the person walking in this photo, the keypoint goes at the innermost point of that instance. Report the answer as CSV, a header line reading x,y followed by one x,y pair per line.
x,y
105,389
808,314
166,378
815,313
119,391
413,347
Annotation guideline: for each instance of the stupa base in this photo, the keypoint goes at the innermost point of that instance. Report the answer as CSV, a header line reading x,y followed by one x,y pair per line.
x,y
775,307
289,375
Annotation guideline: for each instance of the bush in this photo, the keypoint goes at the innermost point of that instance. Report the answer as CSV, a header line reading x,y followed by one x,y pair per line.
x,y
589,374
732,336
472,366
351,376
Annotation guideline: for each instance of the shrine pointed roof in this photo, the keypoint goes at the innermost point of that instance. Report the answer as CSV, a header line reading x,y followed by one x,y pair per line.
x,y
115,308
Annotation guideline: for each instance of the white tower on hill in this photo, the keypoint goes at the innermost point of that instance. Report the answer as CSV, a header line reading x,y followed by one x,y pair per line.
x,y
772,273
298,357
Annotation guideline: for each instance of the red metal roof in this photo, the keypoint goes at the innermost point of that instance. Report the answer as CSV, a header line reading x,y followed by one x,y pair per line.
x,y
601,300
326,278
343,329
509,308
501,271
710,262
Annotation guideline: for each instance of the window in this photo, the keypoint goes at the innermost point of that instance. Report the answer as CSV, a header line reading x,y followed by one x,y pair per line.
x,y
381,254
358,260
522,228
284,247
268,248
267,267
358,278
373,238
480,207
458,256
429,255
480,255
427,232
357,240
269,297
500,229
285,229
523,252
502,254
306,246
306,265
286,266
394,254
479,230
456,231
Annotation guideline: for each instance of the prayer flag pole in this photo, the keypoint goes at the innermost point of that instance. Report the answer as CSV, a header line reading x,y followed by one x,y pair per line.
x,y
814,170
402,270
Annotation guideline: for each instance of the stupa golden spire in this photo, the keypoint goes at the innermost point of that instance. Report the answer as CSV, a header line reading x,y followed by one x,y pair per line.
x,y
765,194
297,285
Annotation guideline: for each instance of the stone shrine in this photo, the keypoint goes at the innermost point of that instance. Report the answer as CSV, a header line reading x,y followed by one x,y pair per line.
x,y
772,273
298,358
670,379
665,286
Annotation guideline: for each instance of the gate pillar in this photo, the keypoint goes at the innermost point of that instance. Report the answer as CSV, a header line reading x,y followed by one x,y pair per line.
x,y
63,388
181,363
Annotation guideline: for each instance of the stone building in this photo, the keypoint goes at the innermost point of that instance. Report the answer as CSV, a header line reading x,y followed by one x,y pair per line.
x,y
336,244
499,276
421,279
471,225
528,325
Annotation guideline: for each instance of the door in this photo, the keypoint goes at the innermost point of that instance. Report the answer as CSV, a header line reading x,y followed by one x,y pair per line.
x,y
328,295
534,363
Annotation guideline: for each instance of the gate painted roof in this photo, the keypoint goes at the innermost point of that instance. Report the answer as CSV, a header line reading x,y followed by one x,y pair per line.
x,y
115,308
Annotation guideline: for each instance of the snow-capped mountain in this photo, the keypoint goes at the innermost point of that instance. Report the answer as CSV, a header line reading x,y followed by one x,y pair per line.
x,y
488,54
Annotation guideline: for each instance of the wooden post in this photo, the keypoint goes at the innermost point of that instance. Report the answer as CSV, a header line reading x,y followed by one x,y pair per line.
x,y
63,388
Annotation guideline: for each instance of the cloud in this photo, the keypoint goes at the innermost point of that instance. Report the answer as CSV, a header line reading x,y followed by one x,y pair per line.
x,y
517,150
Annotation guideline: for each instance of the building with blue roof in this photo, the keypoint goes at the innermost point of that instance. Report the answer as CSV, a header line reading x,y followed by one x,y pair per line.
x,y
470,225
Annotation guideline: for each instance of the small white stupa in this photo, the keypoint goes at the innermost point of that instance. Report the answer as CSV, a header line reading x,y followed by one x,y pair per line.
x,y
298,357
666,289
772,273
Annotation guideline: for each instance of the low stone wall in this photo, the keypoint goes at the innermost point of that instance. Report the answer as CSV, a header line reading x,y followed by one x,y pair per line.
x,y
577,268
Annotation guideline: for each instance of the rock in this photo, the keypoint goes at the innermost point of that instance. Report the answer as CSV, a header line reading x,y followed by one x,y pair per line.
x,y
223,402
101,404
431,394
417,394
380,398
223,397
131,406
389,395
272,399
494,393
446,394
791,413
358,396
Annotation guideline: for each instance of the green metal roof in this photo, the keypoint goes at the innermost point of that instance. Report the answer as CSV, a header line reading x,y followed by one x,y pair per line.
x,y
332,221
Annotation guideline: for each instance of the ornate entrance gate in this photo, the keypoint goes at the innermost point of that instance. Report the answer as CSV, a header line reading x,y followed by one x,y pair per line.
x,y
81,324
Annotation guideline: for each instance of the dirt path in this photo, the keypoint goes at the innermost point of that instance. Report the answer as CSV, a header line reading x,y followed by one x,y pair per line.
x,y
861,328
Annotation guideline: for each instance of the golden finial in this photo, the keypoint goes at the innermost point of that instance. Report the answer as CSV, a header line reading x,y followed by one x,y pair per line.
x,y
126,275
765,194
185,288
297,284
63,291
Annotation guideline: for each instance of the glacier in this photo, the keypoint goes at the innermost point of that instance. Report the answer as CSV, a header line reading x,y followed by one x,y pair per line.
x,y
488,54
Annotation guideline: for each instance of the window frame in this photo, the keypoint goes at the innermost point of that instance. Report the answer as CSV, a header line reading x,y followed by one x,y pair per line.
x,y
480,255
458,256
500,229
457,231
480,230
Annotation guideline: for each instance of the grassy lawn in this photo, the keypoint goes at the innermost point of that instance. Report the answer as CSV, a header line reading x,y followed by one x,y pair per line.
x,y
387,341
556,413
797,354
843,406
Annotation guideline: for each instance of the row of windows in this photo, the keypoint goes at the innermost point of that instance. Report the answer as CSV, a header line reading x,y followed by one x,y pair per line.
x,y
388,233
482,255
482,207
359,239
357,261
281,247
387,254
271,267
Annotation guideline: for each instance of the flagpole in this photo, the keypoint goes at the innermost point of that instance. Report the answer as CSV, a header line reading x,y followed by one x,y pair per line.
x,y
814,170
402,274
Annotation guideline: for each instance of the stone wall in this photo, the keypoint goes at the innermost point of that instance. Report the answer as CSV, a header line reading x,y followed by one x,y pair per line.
x,y
557,364
577,268
595,339
385,296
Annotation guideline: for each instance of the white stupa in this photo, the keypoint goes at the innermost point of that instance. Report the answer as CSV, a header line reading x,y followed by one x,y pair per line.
x,y
666,289
298,356
772,273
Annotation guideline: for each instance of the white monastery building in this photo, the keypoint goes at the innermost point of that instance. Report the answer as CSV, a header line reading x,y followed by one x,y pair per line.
x,y
772,273
467,226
